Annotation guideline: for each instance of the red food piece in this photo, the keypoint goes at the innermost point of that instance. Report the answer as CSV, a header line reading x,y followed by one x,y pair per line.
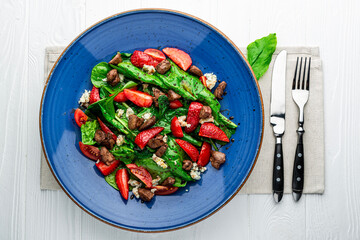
x,y
141,173
121,96
139,59
175,104
155,54
193,116
139,98
80,117
181,58
90,151
189,149
94,95
105,129
204,156
176,128
164,190
211,131
143,137
203,80
105,169
122,179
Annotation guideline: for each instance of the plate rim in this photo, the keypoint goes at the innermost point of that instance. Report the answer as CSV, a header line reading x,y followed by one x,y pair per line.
x,y
177,13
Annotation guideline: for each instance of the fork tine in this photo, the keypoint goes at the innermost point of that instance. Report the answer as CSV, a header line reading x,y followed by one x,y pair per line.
x,y
294,81
308,76
299,78
303,81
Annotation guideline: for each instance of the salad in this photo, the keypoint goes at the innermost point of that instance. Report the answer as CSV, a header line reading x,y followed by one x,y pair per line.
x,y
151,123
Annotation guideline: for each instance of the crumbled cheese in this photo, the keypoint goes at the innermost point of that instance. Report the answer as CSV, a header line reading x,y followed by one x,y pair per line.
x,y
129,112
122,77
119,113
182,121
195,172
209,119
135,191
210,80
159,161
134,183
153,190
120,140
85,98
104,79
146,116
149,69
203,169
156,181
165,138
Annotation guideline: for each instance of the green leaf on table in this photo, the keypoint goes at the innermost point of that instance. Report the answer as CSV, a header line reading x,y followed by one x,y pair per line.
x,y
88,132
259,54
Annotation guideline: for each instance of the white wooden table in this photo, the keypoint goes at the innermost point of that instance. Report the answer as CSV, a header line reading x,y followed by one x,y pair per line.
x,y
27,27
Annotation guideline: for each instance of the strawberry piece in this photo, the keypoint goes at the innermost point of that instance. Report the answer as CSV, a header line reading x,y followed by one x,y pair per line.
x,y
181,58
94,95
155,54
193,116
211,131
189,149
143,137
121,96
176,128
139,98
105,169
203,80
175,104
105,129
141,173
204,156
122,179
139,59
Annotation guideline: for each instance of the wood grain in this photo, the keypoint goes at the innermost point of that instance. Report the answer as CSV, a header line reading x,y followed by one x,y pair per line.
x,y
27,27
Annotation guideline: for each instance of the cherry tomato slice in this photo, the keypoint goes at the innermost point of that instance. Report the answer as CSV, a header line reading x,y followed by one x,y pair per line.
x,y
141,173
80,117
155,54
90,151
105,169
122,179
140,99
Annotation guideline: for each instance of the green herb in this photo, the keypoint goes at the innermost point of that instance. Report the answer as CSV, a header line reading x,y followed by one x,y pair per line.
x,y
88,132
259,54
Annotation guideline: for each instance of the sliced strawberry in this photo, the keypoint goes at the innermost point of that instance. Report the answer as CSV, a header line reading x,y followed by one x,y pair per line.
x,y
189,149
105,169
155,54
80,117
122,179
164,190
193,116
175,104
141,173
105,129
176,128
139,98
139,59
94,95
181,58
143,137
211,131
204,156
121,96
203,80
90,151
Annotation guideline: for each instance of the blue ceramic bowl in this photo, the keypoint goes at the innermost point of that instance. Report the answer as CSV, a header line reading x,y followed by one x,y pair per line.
x,y
213,52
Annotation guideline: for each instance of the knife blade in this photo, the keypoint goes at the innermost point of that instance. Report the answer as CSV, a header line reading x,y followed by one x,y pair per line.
x,y
277,120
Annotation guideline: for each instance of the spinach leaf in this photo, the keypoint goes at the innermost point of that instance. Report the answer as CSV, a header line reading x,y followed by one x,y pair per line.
x,y
110,179
88,132
259,54
153,168
99,73
163,105
123,153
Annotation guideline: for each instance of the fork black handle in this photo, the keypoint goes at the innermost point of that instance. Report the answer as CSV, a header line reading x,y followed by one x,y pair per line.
x,y
298,170
278,171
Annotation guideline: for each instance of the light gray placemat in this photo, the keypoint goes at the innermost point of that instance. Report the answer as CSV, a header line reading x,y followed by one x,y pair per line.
x,y
260,180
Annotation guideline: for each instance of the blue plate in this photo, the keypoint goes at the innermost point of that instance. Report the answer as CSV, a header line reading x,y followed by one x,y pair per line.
x,y
213,52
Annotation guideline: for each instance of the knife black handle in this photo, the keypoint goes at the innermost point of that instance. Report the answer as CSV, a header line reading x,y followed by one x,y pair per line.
x,y
278,171
298,170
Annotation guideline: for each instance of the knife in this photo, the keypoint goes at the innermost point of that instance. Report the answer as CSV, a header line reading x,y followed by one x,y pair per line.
x,y
277,120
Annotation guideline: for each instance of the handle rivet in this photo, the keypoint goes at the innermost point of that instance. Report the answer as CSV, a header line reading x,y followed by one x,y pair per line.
x,y
299,166
278,155
299,155
298,179
278,167
278,179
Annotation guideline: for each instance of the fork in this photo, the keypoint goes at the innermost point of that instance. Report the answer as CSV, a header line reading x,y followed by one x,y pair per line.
x,y
300,94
